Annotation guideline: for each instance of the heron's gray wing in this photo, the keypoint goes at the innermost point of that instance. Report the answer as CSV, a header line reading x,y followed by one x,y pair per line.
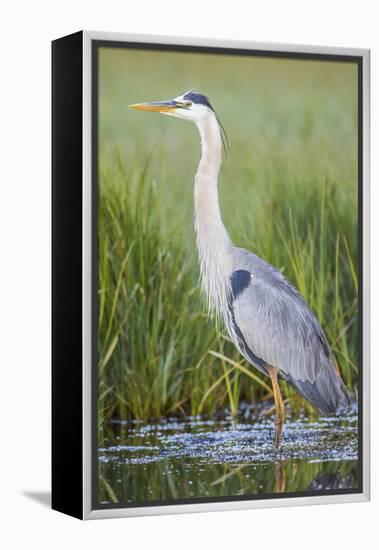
x,y
281,330
279,327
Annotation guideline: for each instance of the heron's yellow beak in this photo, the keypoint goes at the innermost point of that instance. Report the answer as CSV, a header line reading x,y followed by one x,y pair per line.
x,y
157,106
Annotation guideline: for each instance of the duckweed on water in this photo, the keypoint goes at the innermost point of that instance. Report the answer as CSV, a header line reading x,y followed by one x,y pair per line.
x,y
201,456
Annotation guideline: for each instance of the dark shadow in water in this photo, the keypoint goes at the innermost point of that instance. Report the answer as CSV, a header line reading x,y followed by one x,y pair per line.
x,y
330,482
42,497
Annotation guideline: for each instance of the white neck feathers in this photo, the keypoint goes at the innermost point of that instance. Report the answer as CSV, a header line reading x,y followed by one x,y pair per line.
x,y
213,242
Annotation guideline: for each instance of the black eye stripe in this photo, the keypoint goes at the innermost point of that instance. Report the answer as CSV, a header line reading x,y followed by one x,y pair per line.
x,y
198,98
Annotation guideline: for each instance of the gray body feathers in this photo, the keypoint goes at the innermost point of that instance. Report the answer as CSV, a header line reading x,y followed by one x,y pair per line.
x,y
271,324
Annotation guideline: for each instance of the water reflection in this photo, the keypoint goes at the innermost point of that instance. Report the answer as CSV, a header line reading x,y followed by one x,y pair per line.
x,y
280,478
198,457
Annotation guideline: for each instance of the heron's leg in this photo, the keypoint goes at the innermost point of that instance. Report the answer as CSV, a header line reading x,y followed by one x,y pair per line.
x,y
279,405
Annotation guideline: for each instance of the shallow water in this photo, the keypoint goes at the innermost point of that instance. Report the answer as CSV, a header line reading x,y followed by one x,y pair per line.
x,y
199,457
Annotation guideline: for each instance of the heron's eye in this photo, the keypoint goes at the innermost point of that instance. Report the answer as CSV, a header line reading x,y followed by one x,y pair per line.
x,y
188,104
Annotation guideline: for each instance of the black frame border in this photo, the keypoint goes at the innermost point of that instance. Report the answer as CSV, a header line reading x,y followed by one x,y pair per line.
x,y
341,58
67,266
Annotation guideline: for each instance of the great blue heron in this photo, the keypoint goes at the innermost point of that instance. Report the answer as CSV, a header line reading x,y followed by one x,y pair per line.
x,y
265,315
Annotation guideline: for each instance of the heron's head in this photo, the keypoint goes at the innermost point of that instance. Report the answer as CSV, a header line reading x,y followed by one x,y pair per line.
x,y
190,106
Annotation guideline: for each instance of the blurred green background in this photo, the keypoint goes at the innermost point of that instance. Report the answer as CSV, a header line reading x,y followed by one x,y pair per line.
x,y
288,192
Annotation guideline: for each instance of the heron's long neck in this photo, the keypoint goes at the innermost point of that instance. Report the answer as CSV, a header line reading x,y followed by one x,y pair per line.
x,y
213,242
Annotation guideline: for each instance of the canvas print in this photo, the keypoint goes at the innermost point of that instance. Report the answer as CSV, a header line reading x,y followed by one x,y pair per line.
x,y
227,291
